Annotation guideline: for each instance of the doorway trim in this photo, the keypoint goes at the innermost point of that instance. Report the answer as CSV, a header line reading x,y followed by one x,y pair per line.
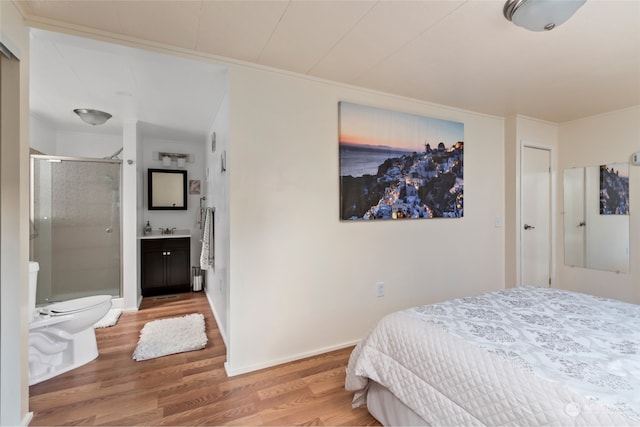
x,y
14,253
552,205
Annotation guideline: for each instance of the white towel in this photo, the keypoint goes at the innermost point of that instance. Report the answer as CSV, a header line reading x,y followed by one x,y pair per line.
x,y
206,256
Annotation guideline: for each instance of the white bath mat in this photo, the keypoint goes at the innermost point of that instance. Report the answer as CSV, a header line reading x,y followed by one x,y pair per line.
x,y
169,336
109,319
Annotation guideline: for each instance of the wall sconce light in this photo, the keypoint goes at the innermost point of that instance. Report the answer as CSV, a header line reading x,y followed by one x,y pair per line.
x,y
540,15
93,117
180,158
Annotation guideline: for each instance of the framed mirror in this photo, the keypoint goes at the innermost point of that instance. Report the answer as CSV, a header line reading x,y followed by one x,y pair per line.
x,y
596,217
167,189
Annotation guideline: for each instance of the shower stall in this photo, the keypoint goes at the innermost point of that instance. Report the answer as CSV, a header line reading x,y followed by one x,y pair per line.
x,y
75,226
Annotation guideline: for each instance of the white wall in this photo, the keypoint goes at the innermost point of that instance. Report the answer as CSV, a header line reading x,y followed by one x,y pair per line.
x,y
42,135
303,282
131,224
603,139
217,193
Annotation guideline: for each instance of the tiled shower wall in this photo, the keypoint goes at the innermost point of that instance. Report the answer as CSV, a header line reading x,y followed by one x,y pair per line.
x,y
76,212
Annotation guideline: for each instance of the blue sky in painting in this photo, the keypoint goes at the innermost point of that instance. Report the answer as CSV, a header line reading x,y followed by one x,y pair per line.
x,y
360,124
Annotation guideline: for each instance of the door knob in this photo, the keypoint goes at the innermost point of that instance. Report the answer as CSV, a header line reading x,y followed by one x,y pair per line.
x,y
528,227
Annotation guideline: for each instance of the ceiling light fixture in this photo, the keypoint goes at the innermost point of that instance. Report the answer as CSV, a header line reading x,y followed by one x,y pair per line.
x,y
93,117
540,15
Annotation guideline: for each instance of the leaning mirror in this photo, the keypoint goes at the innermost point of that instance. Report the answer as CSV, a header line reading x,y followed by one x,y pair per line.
x,y
167,189
596,217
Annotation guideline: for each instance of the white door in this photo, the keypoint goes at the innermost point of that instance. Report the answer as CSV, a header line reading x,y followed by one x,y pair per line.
x,y
536,217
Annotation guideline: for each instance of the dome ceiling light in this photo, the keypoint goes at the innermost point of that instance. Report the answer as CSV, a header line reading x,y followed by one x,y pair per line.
x,y
540,15
93,117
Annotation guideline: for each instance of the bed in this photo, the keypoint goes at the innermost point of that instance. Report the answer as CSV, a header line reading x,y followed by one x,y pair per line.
x,y
521,356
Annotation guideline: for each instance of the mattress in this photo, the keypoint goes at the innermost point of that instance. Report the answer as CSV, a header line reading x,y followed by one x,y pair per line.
x,y
388,409
522,356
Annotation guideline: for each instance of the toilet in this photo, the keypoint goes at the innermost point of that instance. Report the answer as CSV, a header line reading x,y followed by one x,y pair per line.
x,y
61,335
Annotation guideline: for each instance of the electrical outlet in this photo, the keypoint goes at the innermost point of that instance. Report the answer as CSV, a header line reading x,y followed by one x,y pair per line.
x,y
380,289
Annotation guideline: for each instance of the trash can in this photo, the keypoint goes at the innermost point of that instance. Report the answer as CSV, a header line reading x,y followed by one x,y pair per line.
x,y
197,279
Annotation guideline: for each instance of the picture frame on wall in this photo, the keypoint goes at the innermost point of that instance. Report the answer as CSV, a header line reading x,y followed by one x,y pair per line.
x,y
194,186
396,165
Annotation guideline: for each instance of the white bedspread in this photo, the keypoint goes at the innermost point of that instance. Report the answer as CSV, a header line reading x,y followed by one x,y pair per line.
x,y
523,356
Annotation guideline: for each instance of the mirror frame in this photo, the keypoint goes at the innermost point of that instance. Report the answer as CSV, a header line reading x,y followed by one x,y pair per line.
x,y
602,242
151,206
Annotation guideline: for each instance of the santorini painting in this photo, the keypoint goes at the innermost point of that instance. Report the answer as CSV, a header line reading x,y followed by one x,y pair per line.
x,y
397,165
614,189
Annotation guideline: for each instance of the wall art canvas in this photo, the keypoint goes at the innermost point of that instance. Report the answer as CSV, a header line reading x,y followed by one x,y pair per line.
x,y
397,165
614,189
194,186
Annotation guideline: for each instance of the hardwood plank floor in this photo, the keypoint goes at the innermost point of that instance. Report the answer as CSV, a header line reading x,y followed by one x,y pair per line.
x,y
192,388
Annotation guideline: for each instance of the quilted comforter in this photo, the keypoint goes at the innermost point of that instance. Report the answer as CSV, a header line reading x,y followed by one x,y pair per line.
x,y
522,356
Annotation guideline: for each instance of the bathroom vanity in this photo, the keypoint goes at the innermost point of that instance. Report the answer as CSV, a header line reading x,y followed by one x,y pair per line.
x,y
165,263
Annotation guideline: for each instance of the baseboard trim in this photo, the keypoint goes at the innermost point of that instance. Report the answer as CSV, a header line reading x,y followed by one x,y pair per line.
x,y
27,419
215,316
119,303
231,372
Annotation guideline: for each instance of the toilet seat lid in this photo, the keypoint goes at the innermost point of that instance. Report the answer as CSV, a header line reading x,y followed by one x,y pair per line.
x,y
75,305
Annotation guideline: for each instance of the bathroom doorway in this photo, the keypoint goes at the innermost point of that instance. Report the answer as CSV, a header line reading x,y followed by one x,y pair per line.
x,y
75,226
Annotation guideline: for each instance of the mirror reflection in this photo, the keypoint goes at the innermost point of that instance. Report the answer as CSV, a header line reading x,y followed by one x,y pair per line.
x,y
596,217
167,189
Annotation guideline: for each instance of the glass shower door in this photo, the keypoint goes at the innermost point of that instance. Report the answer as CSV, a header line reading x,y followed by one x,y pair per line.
x,y
75,211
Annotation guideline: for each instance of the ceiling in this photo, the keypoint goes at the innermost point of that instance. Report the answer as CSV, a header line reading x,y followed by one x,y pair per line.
x,y
171,97
463,54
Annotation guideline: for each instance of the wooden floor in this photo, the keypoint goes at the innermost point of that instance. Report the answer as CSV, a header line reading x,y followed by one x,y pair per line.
x,y
192,388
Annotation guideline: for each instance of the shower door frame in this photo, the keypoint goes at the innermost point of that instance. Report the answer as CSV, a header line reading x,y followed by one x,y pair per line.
x,y
33,157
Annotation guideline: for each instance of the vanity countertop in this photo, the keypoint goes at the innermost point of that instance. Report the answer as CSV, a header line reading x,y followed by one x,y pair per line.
x,y
157,234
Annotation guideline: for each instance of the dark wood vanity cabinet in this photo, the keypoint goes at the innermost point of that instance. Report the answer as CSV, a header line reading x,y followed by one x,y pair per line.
x,y
165,266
